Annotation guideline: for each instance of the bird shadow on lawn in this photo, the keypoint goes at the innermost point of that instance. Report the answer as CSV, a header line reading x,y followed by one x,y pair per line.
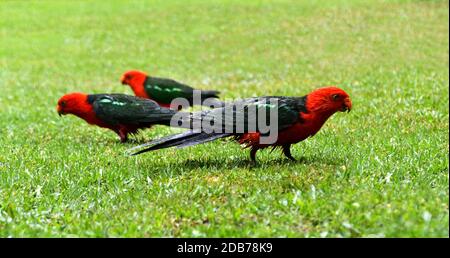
x,y
135,141
131,142
266,163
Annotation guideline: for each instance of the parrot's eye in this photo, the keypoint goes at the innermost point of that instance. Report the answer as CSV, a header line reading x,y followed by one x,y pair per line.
x,y
128,77
335,97
62,103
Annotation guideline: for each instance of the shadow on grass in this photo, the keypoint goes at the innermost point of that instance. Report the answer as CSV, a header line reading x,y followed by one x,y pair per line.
x,y
131,142
264,160
226,163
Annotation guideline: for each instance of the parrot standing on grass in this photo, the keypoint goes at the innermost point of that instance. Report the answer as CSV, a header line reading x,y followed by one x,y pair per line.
x,y
298,119
164,90
121,113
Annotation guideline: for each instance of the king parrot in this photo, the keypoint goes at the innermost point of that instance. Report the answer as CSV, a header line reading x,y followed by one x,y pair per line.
x,y
121,113
298,119
164,91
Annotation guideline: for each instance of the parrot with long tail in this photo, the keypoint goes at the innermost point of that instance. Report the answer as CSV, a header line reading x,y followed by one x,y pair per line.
x,y
298,118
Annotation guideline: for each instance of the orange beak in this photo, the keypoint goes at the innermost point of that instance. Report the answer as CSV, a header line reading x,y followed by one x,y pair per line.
x,y
122,79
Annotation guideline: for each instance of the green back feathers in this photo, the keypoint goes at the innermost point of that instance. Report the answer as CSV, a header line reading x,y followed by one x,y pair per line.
x,y
165,90
242,113
124,109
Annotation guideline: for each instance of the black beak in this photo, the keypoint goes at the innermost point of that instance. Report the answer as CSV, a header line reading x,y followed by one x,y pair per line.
x,y
347,106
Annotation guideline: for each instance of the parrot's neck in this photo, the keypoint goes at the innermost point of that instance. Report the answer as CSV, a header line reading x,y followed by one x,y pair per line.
x,y
138,86
85,111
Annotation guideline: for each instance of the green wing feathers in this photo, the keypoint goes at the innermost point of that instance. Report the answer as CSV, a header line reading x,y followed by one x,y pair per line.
x,y
125,109
165,90
244,113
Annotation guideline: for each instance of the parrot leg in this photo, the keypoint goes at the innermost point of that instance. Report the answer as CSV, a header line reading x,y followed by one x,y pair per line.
x,y
253,154
287,152
123,135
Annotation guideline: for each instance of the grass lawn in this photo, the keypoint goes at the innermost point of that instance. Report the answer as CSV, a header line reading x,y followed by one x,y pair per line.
x,y
379,171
